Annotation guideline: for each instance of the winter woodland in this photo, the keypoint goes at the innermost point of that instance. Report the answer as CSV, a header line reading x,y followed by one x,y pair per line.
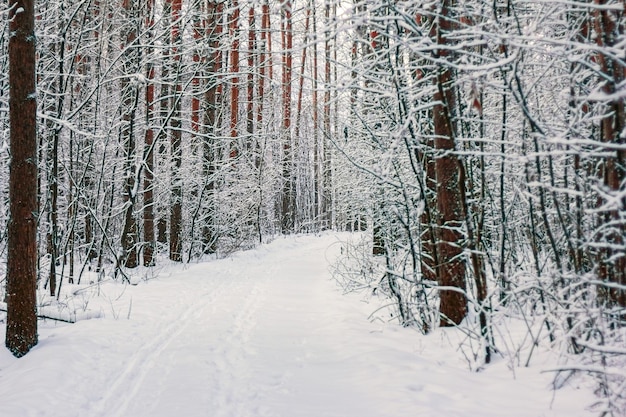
x,y
476,151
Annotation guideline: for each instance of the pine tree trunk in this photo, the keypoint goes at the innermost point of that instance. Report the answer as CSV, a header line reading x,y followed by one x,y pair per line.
x,y
195,82
453,303
429,258
288,193
325,199
316,161
165,100
53,190
148,182
214,31
129,237
263,59
234,69
21,327
610,27
176,215
251,68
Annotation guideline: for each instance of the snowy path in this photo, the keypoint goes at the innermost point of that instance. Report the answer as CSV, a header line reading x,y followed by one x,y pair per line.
x,y
265,333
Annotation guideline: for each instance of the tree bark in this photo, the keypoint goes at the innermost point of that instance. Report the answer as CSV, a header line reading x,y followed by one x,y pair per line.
x,y
234,68
264,61
453,303
176,215
315,104
21,328
129,238
212,100
251,69
325,194
288,193
609,28
148,182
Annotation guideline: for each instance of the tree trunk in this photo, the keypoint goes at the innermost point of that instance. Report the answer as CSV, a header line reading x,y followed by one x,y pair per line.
x,y
325,194
165,100
288,193
195,82
21,328
211,98
609,28
429,258
297,139
176,215
316,161
453,307
263,59
251,68
129,238
148,182
234,65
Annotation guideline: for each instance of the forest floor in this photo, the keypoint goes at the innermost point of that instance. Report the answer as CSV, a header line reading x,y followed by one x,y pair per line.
x,y
265,332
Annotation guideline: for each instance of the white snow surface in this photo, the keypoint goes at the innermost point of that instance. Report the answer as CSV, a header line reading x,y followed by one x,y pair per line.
x,y
265,332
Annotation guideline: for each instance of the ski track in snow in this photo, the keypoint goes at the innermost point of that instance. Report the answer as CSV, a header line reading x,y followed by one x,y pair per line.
x,y
125,386
264,333
230,357
223,360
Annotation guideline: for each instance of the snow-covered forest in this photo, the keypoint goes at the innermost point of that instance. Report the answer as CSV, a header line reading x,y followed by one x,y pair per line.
x,y
475,151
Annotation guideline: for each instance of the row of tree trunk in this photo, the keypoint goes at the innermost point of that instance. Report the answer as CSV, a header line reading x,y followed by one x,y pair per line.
x,y
470,164
162,131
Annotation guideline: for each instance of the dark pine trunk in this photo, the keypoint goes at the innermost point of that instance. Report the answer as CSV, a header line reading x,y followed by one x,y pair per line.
x,y
21,330
176,216
148,182
453,307
609,26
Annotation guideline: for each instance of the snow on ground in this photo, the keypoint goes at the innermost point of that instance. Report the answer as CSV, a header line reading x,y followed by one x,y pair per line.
x,y
263,333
